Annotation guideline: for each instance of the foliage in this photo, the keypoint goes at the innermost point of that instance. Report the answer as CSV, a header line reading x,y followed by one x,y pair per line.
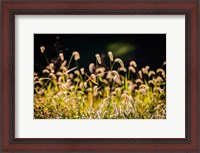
x,y
122,93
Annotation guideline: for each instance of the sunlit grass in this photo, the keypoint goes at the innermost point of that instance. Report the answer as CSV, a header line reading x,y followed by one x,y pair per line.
x,y
101,93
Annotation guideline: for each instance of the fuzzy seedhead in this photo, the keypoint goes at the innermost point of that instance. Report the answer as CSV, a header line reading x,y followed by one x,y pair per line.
x,y
118,60
164,63
51,66
42,49
139,81
116,75
59,74
61,56
77,72
94,77
110,56
159,79
45,71
159,70
140,74
76,55
60,79
144,71
132,69
82,71
100,70
35,74
151,82
147,69
98,58
122,69
53,76
91,68
133,63
95,90
151,73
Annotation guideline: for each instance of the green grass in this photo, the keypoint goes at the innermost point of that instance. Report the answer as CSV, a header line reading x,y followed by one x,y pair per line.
x,y
123,93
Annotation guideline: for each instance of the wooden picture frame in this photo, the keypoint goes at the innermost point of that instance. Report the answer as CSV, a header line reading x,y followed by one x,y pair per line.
x,y
47,7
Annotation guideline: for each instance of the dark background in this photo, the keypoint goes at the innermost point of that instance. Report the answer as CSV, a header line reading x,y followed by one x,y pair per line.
x,y
145,49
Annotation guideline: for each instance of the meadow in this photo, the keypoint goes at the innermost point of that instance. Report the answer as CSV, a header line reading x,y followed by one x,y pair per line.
x,y
99,92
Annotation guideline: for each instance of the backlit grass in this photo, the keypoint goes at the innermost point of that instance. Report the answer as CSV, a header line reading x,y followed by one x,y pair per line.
x,y
100,93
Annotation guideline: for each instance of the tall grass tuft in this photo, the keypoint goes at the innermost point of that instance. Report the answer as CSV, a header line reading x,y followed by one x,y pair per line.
x,y
101,93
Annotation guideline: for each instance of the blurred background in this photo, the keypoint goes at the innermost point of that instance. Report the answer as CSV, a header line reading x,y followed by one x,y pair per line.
x,y
145,49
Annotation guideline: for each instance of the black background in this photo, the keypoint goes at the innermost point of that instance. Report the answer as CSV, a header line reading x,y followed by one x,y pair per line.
x,y
148,49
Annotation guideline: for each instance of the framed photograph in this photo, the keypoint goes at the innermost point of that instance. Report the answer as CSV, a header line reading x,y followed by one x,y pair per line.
x,y
80,76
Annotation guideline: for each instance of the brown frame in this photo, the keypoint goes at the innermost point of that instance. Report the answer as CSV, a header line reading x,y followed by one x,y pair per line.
x,y
10,8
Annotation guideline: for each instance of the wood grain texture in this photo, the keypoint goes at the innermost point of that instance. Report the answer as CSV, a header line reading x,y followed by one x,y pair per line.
x,y
188,7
